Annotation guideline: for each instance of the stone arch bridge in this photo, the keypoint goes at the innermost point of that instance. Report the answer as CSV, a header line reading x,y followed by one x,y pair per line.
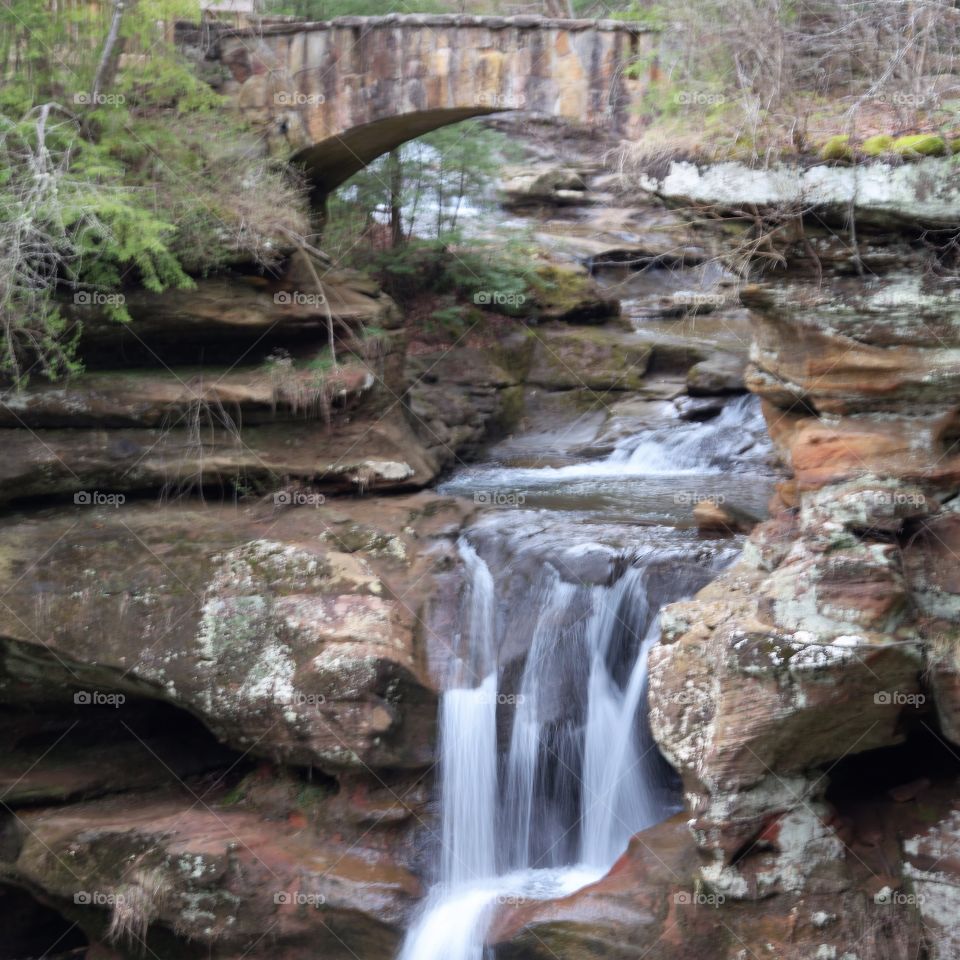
x,y
335,95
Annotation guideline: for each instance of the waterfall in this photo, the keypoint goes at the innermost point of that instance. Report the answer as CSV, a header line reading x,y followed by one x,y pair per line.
x,y
547,765
618,768
693,447
557,808
468,737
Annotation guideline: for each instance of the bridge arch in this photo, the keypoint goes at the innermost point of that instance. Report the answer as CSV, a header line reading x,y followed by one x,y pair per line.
x,y
335,95
337,158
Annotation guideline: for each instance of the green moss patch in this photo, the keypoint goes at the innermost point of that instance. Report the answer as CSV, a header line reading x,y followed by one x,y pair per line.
x,y
874,146
837,148
920,145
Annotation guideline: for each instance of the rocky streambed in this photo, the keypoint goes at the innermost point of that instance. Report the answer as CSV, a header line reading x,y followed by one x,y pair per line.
x,y
232,591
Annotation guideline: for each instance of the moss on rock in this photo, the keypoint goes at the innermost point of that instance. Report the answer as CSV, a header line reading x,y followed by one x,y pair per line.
x,y
874,146
920,145
837,148
563,293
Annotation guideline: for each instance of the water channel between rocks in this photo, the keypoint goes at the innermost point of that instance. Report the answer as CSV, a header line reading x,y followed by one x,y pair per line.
x,y
547,767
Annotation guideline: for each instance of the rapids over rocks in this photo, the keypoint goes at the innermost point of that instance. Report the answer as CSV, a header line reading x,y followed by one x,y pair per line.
x,y
547,765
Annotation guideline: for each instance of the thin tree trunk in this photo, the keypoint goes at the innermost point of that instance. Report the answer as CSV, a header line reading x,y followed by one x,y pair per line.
x,y
396,199
107,62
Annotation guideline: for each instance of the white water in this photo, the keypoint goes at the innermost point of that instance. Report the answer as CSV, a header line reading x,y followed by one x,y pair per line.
x,y
618,800
550,805
678,449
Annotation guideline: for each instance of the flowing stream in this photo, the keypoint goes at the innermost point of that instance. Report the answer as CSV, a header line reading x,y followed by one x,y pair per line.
x,y
547,767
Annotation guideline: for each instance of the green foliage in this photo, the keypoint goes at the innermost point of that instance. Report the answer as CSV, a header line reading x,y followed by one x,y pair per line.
x,y
151,183
428,181
494,277
436,174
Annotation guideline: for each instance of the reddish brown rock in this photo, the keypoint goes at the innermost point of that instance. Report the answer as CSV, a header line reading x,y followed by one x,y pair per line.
x,y
293,633
651,905
845,347
710,515
184,876
908,447
745,674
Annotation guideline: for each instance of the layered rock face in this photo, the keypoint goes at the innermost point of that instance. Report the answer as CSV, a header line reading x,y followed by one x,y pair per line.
x,y
251,771
219,721
226,388
218,640
217,702
808,696
836,632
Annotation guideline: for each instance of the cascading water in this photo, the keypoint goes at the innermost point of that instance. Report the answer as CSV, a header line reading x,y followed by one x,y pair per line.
x,y
547,767
468,739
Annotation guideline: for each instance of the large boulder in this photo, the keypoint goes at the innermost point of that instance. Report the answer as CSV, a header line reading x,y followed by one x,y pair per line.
x,y
183,876
652,905
534,186
291,633
719,374
813,621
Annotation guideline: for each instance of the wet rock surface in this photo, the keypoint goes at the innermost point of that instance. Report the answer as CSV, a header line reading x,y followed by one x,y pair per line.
x,y
220,721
